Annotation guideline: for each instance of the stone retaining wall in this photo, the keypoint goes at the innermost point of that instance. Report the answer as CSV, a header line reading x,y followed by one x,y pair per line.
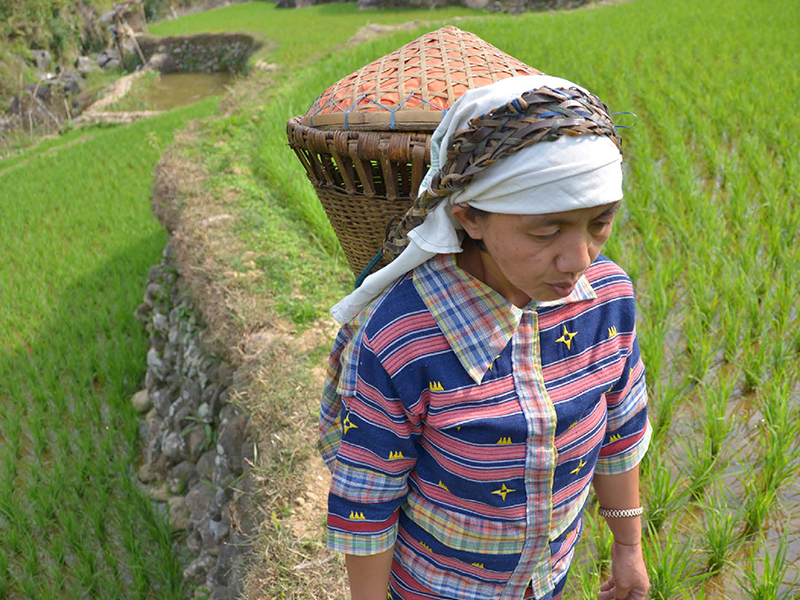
x,y
206,52
196,445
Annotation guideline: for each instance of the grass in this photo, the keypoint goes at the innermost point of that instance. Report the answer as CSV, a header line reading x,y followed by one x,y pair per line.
x,y
75,243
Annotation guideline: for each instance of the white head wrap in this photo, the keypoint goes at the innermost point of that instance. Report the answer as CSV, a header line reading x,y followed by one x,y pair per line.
x,y
569,173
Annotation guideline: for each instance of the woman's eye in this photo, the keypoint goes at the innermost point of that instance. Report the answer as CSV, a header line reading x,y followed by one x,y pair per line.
x,y
545,236
601,225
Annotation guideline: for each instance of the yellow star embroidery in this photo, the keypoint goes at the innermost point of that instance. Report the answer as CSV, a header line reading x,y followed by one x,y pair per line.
x,y
503,491
435,386
357,516
443,486
504,440
612,331
395,455
348,424
567,338
577,469
615,437
479,565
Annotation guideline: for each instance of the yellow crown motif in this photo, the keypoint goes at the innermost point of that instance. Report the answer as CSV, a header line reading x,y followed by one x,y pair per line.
x,y
395,454
504,440
573,425
443,486
615,437
435,386
424,545
357,516
612,331
479,565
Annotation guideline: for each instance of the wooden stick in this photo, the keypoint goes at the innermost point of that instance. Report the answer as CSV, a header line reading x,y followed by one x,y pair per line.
x,y
129,31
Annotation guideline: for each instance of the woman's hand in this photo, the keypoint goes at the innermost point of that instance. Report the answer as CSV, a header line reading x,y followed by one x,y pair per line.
x,y
629,580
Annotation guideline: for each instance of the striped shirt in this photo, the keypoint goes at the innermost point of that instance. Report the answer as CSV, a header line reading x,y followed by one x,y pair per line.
x,y
465,431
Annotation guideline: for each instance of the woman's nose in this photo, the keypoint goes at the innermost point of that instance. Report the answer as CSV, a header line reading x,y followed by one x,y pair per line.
x,y
575,257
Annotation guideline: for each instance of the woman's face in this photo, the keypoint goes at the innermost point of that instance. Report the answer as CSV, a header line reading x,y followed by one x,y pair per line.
x,y
539,257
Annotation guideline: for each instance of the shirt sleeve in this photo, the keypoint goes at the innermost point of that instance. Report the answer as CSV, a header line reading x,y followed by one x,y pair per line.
x,y
628,429
377,450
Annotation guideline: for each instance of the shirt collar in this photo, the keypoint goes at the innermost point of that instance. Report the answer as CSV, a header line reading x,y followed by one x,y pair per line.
x,y
476,320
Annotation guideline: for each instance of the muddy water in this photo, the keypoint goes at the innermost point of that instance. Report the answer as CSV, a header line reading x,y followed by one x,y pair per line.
x,y
742,452
179,89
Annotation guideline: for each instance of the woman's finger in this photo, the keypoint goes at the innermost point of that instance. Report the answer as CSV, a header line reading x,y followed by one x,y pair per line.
x,y
607,590
606,594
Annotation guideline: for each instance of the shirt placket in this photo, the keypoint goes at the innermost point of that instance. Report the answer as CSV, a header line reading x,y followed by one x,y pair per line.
x,y
540,462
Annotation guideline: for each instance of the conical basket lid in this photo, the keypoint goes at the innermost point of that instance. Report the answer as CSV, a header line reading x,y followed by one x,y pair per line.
x,y
411,88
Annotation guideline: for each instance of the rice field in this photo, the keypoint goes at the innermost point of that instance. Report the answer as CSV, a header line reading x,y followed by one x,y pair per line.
x,y
709,233
76,240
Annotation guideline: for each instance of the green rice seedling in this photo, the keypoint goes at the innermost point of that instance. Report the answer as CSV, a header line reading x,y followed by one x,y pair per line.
x,y
716,423
781,435
755,361
721,532
701,346
758,502
663,491
703,466
671,565
666,401
586,581
765,578
5,575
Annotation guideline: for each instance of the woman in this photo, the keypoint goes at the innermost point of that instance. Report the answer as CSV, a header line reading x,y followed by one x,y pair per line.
x,y
484,378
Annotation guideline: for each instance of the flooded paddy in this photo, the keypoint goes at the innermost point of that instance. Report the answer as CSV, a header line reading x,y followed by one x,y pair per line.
x,y
172,90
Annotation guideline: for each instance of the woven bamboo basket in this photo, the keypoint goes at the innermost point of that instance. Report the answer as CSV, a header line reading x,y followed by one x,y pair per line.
x,y
365,142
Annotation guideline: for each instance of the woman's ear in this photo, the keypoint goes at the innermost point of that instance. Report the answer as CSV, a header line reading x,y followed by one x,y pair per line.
x,y
471,220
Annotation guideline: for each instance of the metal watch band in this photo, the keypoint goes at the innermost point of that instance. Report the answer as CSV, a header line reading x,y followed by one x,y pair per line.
x,y
619,513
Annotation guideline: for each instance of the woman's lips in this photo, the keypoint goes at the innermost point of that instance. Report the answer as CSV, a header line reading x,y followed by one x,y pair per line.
x,y
563,288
